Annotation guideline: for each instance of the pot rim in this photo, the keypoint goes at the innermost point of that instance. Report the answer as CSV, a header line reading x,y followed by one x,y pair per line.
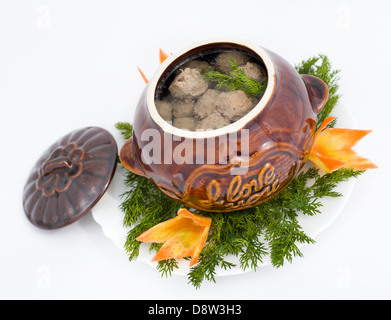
x,y
237,125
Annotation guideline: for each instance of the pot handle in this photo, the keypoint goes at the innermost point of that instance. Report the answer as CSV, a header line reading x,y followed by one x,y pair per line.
x,y
317,90
129,160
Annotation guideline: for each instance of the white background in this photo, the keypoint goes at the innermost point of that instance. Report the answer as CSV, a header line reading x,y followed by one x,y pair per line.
x,y
70,64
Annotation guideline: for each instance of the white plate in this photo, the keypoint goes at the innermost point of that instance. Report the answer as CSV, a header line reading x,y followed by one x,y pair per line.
x,y
108,214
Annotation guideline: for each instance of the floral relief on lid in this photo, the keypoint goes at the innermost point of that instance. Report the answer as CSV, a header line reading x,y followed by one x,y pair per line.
x,y
70,178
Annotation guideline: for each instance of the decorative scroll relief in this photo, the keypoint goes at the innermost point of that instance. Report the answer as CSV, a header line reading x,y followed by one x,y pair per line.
x,y
241,195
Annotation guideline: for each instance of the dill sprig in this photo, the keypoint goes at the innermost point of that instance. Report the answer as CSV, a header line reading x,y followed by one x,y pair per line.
x,y
237,80
320,66
271,229
144,206
125,128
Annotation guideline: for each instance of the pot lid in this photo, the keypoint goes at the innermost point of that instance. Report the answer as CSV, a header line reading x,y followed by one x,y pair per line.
x,y
70,177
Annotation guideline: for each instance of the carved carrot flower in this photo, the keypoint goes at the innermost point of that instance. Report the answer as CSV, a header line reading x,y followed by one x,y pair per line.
x,y
182,236
332,148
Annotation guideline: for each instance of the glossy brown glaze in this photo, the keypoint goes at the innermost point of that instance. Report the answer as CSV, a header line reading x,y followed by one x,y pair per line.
x,y
280,136
70,178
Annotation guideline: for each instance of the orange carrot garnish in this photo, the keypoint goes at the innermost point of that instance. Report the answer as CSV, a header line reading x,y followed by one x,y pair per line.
x,y
182,236
332,148
162,56
143,75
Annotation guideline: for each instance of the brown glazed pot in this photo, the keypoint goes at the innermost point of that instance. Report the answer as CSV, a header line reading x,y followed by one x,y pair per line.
x,y
237,166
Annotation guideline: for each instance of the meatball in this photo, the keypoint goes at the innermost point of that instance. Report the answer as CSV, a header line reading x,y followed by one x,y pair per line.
x,y
213,121
189,84
186,123
222,61
164,108
234,104
207,103
254,71
195,64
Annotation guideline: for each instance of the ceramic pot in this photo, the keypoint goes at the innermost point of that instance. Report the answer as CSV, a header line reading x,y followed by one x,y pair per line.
x,y
238,166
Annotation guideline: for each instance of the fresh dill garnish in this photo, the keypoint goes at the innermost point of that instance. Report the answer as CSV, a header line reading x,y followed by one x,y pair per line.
x,y
270,229
126,129
166,267
144,206
237,80
321,67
